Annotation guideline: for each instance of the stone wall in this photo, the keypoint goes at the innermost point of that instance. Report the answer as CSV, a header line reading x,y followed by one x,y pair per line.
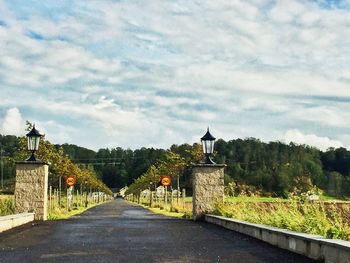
x,y
312,246
31,188
11,221
208,189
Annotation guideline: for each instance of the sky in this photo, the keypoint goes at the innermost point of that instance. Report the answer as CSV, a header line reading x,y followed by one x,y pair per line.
x,y
154,73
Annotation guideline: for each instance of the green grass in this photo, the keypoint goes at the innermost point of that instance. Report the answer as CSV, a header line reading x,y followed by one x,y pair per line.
x,y
57,212
271,199
328,220
328,217
62,213
257,199
158,210
7,205
2,197
188,199
177,210
325,197
254,199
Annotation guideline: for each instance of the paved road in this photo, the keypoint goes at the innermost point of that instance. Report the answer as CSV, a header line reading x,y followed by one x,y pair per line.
x,y
120,232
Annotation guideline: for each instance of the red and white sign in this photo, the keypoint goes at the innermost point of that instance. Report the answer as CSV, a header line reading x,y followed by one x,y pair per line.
x,y
165,180
70,180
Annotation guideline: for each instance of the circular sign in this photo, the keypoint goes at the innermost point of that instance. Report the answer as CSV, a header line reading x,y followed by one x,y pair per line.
x,y
165,180
70,180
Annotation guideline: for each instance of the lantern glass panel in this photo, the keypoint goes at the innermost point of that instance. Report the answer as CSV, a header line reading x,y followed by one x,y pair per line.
x,y
37,140
208,146
204,145
33,143
30,143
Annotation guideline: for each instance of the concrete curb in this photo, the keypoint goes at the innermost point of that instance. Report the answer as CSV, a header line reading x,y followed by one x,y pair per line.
x,y
312,246
11,221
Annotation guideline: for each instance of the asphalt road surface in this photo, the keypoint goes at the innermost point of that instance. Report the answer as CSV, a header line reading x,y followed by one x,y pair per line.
x,y
121,232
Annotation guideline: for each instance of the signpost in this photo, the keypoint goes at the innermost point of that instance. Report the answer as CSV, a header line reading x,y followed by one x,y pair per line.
x,y
165,180
70,182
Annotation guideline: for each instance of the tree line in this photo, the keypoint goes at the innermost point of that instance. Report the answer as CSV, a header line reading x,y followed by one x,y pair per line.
x,y
269,168
15,149
274,168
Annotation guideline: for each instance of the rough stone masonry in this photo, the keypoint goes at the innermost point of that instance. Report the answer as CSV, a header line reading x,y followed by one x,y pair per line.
x,y
31,188
208,188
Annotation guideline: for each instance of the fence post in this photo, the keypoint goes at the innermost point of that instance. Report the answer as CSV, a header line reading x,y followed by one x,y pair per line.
x,y
166,197
72,195
60,191
172,200
183,198
67,201
78,198
50,199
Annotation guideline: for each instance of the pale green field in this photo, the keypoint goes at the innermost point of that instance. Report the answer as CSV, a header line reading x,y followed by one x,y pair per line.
x,y
257,199
5,196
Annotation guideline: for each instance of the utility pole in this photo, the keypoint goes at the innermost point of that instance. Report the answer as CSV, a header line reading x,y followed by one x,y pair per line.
x,y
1,169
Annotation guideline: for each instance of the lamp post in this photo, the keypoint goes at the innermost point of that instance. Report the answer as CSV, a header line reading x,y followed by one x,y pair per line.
x,y
208,147
33,138
208,181
32,181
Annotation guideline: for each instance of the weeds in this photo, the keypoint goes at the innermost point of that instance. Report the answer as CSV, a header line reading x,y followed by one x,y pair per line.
x,y
7,206
308,217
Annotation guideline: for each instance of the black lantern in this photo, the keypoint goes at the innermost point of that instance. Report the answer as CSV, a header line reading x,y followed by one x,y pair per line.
x,y
33,143
208,147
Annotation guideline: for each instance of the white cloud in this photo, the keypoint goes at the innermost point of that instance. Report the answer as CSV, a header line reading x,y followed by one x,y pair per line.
x,y
12,123
322,143
247,68
332,116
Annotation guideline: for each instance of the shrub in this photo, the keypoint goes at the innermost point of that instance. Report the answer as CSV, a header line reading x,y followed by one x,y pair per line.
x,y
7,206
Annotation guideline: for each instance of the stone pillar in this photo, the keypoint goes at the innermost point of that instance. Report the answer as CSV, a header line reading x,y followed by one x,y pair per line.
x,y
31,188
208,188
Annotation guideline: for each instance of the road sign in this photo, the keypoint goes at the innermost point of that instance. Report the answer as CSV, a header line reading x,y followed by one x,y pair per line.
x,y
165,180
70,180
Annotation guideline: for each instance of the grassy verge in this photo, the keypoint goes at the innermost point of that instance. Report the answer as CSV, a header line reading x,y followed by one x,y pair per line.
x,y
180,210
328,220
253,199
62,213
165,212
328,217
7,207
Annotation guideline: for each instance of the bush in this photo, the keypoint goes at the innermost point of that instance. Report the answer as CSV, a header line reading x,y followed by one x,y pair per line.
x,y
7,206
